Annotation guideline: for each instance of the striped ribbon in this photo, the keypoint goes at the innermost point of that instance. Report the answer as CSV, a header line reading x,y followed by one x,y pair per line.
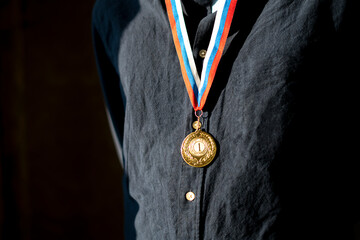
x,y
198,88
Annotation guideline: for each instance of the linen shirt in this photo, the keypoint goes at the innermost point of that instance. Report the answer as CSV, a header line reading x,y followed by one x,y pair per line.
x,y
282,110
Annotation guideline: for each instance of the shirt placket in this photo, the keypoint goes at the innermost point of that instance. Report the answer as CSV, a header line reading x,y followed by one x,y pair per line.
x,y
192,178
190,201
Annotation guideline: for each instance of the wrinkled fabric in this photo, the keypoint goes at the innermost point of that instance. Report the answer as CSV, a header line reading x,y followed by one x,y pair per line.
x,y
282,110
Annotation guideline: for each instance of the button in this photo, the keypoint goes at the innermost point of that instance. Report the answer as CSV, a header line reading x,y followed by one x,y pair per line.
x,y
190,196
202,53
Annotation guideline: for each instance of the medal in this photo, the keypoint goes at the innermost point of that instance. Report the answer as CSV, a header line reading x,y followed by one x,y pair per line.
x,y
199,148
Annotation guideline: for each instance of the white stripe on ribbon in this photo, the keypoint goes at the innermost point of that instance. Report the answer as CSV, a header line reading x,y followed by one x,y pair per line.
x,y
211,48
186,43
213,45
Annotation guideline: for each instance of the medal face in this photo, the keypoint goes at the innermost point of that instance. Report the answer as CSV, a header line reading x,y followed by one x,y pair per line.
x,y
198,149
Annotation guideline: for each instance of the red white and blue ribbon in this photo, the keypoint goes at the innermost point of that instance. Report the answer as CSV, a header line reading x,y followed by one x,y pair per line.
x,y
198,88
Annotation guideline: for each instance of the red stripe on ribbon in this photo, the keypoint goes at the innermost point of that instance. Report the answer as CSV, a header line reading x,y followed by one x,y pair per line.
x,y
219,53
178,50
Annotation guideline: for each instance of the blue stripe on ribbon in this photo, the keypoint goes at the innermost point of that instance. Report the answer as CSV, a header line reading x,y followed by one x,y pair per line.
x,y
183,51
215,49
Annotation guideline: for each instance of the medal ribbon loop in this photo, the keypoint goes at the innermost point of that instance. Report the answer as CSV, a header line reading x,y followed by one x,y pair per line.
x,y
198,88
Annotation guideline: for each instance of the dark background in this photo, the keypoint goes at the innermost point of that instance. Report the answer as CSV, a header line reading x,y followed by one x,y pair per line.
x,y
59,174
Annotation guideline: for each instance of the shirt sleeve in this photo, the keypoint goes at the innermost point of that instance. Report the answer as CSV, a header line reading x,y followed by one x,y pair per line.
x,y
106,46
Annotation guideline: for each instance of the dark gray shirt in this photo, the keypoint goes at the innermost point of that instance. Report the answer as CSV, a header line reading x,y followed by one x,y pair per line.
x,y
282,110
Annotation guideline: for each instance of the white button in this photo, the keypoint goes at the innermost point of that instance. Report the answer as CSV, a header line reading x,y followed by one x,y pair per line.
x,y
190,196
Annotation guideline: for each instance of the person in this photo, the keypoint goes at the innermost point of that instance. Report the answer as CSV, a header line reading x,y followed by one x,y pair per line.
x,y
278,119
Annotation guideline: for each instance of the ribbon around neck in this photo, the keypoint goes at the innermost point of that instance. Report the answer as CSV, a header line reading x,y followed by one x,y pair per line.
x,y
198,88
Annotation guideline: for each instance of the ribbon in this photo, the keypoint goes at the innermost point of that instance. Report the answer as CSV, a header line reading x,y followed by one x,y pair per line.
x,y
198,88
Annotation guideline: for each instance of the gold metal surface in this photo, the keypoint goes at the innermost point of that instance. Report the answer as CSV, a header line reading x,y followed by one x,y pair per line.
x,y
202,53
198,149
196,125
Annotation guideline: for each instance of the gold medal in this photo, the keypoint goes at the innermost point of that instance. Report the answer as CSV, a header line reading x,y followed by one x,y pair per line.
x,y
198,148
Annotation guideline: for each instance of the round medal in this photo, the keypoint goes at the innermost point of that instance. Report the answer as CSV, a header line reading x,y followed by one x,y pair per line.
x,y
198,149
